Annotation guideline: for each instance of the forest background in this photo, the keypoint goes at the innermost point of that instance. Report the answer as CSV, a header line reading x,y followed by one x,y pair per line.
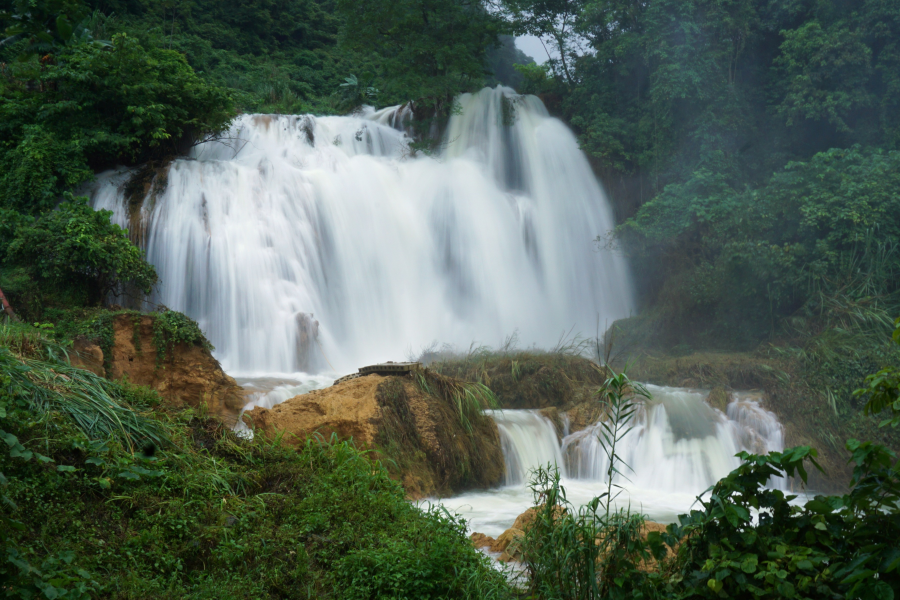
x,y
750,147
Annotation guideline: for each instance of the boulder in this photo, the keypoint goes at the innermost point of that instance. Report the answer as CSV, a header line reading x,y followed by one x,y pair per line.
x,y
718,398
415,429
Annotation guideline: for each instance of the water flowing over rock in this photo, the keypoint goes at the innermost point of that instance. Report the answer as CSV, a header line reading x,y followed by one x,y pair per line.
x,y
529,441
293,216
678,442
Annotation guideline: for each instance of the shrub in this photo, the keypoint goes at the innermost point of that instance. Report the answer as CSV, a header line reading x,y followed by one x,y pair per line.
x,y
77,248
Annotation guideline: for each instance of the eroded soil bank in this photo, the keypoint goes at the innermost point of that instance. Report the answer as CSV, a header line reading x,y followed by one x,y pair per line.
x,y
428,430
185,374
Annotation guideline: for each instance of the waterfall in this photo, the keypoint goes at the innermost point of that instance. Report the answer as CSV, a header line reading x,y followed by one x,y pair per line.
x,y
679,447
678,442
300,241
528,440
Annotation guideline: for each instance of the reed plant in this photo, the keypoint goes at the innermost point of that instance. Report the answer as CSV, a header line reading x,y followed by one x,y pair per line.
x,y
592,551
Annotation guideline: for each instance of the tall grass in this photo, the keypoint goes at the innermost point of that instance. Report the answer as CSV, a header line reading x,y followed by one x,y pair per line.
x,y
468,399
33,369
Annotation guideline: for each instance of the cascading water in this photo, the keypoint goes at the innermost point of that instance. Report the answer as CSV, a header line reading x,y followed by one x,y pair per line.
x,y
678,442
528,440
297,223
679,446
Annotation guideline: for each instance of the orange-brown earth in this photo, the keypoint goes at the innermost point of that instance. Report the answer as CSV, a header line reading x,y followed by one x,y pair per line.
x,y
188,376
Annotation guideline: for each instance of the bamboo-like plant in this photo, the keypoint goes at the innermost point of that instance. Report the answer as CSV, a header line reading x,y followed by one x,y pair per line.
x,y
619,393
589,552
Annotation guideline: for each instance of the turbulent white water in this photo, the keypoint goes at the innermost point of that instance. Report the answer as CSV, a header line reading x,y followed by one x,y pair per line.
x,y
678,442
528,441
678,448
335,217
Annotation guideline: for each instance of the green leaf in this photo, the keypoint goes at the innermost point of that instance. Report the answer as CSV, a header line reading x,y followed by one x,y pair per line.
x,y
9,438
20,452
749,564
65,469
64,28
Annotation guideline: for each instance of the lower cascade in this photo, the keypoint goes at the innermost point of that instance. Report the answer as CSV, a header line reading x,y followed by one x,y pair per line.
x,y
678,441
679,446
528,440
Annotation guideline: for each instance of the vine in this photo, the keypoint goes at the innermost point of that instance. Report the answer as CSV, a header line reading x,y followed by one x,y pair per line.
x,y
136,332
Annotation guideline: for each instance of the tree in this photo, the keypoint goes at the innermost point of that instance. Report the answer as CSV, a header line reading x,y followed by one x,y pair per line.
x,y
427,50
78,249
556,19
91,106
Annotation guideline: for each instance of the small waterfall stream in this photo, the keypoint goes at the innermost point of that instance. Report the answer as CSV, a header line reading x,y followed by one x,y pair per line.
x,y
528,440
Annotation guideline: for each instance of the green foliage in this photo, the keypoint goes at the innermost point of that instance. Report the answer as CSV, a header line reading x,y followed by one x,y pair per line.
x,y
749,540
91,105
555,20
883,389
818,238
505,63
427,51
272,55
44,25
171,328
78,249
212,515
831,547
535,78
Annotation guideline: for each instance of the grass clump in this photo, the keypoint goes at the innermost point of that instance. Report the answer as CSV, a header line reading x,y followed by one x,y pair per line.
x,y
171,328
195,512
561,377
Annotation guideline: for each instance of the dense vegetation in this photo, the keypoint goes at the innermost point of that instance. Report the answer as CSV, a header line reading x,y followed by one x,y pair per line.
x,y
107,493
752,149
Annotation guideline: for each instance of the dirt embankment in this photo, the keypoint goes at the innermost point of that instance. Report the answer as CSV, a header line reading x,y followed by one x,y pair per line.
x,y
188,375
420,428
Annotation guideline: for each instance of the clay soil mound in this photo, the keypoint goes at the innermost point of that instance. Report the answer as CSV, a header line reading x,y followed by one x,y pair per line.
x,y
420,436
348,410
188,376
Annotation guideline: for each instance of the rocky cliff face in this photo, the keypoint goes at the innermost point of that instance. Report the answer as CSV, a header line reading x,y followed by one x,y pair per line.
x,y
189,375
